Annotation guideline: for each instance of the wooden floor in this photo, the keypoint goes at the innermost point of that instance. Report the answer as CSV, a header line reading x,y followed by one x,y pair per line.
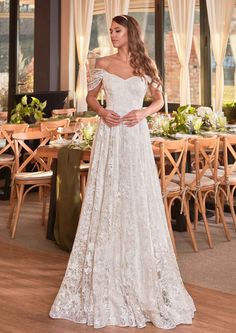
x,y
29,280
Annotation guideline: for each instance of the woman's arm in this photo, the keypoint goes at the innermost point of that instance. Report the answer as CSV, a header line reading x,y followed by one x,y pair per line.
x,y
157,101
109,117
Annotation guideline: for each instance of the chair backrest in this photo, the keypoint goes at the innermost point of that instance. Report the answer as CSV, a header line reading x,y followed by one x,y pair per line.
x,y
3,115
172,161
205,153
64,112
6,132
229,155
53,125
24,142
87,120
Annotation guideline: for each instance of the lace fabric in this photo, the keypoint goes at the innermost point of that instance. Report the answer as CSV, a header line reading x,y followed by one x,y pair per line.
x,y
95,78
122,269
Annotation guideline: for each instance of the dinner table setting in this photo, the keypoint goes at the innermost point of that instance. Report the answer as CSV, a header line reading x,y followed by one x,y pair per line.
x,y
73,145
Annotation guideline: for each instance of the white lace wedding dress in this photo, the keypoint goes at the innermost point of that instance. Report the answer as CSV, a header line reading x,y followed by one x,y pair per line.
x,y
122,269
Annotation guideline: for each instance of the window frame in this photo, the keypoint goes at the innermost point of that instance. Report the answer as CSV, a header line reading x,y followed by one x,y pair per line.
x,y
205,52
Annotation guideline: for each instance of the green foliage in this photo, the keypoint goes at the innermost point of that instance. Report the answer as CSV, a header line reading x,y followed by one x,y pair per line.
x,y
179,122
229,110
24,110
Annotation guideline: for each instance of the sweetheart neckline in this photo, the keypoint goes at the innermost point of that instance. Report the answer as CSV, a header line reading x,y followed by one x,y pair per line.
x,y
119,77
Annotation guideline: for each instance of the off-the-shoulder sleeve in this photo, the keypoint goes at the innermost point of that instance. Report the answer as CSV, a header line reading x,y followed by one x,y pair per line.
x,y
94,78
155,85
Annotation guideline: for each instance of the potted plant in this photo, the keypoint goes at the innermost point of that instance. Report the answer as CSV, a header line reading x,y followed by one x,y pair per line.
x,y
25,112
229,110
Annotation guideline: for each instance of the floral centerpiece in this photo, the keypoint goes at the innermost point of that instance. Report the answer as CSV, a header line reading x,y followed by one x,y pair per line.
x,y
187,119
85,135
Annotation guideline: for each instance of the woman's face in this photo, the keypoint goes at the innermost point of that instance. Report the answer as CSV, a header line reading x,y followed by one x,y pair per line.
x,y
119,35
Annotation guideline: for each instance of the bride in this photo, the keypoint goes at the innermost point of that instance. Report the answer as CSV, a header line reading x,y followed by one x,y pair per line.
x,y
122,269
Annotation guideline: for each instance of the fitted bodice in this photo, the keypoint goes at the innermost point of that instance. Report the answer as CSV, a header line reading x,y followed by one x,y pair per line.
x,y
122,95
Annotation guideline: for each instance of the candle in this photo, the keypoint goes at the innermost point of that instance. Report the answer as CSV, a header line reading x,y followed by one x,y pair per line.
x,y
166,103
74,100
214,104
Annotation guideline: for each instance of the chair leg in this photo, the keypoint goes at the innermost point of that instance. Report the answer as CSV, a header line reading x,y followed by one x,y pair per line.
x,y
18,208
196,211
217,215
203,212
221,213
231,205
190,228
44,197
82,185
40,194
168,219
12,206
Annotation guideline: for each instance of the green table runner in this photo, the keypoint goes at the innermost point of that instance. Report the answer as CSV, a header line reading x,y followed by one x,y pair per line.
x,y
68,196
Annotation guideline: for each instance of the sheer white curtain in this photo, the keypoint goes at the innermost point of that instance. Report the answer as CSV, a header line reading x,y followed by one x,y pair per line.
x,y
219,17
114,8
83,15
233,48
71,66
182,20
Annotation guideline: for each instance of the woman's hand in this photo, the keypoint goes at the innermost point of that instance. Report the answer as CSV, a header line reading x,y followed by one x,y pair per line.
x,y
133,117
110,117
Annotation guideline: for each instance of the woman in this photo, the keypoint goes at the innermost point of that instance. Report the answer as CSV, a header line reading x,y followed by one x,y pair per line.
x,y
122,269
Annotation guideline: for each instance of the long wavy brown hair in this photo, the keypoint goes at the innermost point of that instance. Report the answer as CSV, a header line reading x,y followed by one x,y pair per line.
x,y
139,58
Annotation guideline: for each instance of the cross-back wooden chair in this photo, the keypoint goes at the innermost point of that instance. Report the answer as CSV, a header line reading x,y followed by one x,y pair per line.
x,y
53,125
3,115
228,181
87,120
38,176
172,154
64,112
7,148
84,170
203,181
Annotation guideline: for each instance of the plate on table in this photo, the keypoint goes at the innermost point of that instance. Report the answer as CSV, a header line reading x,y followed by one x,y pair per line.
x,y
156,138
184,136
59,143
210,133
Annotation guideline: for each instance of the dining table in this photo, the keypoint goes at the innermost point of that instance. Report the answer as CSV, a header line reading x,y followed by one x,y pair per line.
x,y
65,160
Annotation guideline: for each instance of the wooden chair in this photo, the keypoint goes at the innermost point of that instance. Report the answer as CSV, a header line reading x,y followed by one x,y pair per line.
x,y
228,181
7,149
3,115
203,181
53,125
84,169
64,112
170,168
87,120
24,180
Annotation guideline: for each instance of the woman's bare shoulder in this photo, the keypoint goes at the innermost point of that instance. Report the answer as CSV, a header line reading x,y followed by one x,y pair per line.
x,y
104,62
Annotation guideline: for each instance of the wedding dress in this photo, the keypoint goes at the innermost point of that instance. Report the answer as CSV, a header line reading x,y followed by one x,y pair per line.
x,y
122,269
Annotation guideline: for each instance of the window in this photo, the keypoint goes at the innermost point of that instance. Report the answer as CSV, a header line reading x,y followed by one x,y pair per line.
x,y
4,54
171,62
143,11
229,66
25,68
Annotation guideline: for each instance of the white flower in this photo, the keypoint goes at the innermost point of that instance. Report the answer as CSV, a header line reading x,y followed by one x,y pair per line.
x,y
204,111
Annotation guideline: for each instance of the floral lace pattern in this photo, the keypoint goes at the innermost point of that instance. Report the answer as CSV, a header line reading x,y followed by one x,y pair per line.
x,y
122,269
